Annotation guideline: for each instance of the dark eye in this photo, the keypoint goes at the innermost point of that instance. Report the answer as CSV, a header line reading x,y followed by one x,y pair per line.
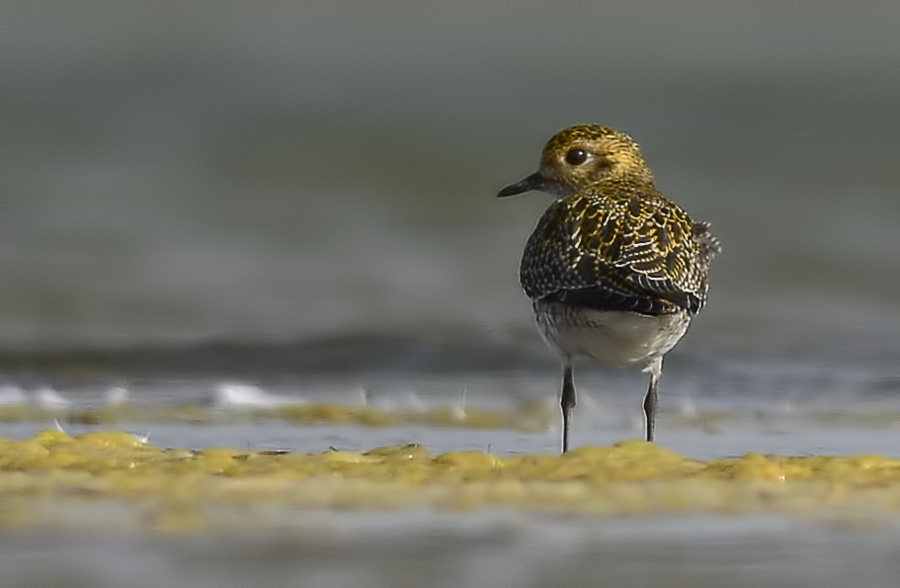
x,y
576,157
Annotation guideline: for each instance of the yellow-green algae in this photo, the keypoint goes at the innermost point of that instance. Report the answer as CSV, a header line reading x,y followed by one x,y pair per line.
x,y
174,489
529,416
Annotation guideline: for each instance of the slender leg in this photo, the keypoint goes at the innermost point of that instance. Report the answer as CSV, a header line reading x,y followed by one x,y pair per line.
x,y
652,396
567,401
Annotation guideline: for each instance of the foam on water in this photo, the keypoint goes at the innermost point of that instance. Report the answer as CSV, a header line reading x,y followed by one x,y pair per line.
x,y
240,395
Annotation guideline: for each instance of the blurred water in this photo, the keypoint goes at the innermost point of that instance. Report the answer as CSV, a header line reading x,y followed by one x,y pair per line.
x,y
496,547
487,549
308,171
493,549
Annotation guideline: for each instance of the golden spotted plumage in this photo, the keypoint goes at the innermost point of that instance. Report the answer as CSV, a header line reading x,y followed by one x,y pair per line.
x,y
614,269
623,241
611,241
615,155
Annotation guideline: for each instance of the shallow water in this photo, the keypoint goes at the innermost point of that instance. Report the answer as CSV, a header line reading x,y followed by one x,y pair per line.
x,y
495,548
488,547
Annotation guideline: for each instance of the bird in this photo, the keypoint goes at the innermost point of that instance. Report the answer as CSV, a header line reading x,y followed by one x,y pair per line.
x,y
615,271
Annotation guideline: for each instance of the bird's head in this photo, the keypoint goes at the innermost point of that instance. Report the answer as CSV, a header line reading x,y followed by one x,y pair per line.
x,y
581,155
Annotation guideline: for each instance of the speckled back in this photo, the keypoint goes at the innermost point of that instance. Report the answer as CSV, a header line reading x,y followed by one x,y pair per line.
x,y
619,244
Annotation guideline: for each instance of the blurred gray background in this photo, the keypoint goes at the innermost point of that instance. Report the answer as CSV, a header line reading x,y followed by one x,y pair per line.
x,y
180,172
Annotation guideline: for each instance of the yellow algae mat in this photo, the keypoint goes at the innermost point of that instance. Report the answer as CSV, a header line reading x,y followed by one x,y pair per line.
x,y
528,416
179,486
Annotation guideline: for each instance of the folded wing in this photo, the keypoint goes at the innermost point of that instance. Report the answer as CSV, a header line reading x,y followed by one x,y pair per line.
x,y
619,245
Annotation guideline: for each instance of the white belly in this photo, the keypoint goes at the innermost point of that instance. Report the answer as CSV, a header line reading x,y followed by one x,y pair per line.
x,y
615,337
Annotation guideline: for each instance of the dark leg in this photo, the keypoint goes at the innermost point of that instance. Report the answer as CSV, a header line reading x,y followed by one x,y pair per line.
x,y
652,397
567,402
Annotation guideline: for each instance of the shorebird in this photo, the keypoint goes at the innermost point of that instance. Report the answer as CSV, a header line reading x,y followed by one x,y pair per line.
x,y
614,269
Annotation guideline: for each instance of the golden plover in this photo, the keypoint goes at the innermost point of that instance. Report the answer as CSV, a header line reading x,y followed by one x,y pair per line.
x,y
614,269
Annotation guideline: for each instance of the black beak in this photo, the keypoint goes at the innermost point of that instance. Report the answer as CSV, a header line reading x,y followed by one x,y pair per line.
x,y
533,182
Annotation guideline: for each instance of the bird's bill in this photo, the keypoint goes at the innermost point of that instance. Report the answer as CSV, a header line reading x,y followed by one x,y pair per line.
x,y
533,182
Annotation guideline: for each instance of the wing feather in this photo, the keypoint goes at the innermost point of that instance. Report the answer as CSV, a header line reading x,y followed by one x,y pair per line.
x,y
619,245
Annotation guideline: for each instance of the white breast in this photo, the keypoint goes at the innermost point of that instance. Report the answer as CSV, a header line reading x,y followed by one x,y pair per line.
x,y
614,337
